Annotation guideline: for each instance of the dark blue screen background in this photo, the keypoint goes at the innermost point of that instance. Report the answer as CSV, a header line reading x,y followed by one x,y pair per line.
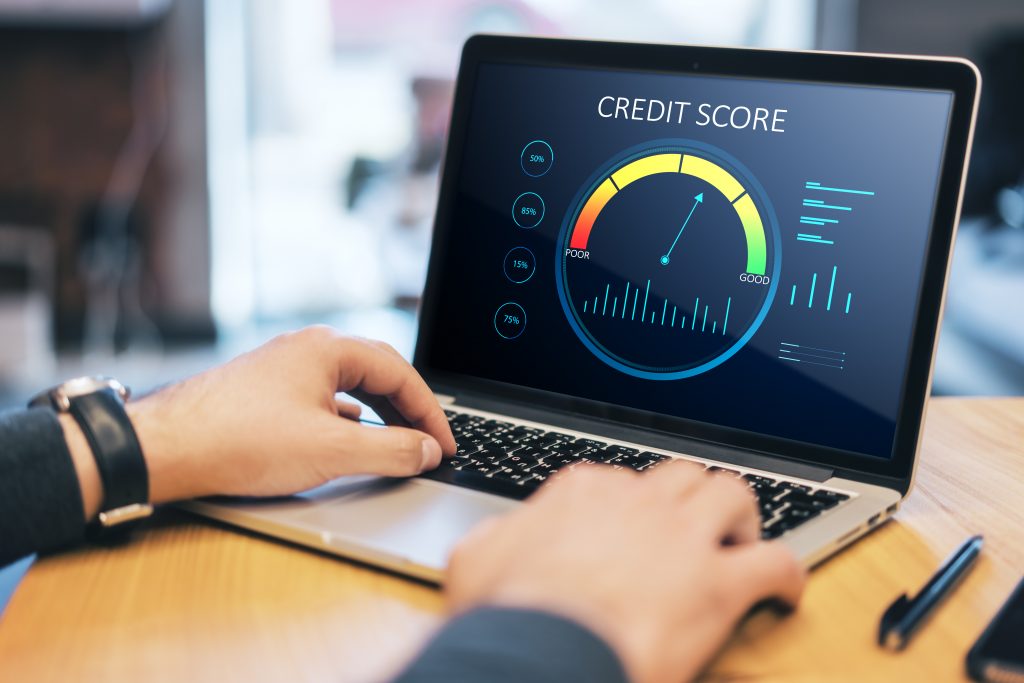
x,y
885,140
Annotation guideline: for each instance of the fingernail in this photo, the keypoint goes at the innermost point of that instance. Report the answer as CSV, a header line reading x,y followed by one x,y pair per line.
x,y
431,454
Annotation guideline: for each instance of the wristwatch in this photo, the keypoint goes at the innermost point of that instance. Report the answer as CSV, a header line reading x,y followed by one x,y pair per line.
x,y
97,405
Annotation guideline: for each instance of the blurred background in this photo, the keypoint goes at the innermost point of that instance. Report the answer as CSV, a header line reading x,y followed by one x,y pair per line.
x,y
180,180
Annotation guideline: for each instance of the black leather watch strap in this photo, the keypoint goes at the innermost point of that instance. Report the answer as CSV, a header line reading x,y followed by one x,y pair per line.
x,y
106,426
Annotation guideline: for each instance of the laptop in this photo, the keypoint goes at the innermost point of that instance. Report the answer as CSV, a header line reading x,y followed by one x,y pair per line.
x,y
645,253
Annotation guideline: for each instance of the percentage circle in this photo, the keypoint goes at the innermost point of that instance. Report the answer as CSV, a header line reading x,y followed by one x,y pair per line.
x,y
520,264
536,158
528,210
509,320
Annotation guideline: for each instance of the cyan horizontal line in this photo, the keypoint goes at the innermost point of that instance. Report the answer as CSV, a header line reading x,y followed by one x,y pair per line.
x,y
806,222
818,241
816,218
813,348
805,234
826,365
818,186
812,355
822,205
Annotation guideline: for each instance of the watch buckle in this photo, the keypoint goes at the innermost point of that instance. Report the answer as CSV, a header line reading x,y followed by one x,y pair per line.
x,y
125,513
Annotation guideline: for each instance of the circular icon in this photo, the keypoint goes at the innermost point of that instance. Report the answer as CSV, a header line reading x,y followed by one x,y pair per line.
x,y
528,210
519,265
537,158
510,320
668,260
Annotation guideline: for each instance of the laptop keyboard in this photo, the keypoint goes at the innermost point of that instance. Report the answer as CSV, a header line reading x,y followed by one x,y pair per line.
x,y
514,460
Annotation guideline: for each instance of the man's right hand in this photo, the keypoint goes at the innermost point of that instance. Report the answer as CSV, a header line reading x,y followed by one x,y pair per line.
x,y
661,565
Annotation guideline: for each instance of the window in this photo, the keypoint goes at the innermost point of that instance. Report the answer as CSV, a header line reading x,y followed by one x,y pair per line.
x,y
327,123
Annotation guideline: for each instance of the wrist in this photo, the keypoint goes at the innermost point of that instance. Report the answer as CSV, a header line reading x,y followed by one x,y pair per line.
x,y
104,450
169,477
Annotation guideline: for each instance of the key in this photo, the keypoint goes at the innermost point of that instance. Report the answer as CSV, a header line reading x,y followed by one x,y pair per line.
x,y
655,460
512,476
603,455
571,448
833,497
559,460
625,450
797,515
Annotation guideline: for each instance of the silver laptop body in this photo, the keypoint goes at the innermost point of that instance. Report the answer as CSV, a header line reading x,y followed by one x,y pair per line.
x,y
409,526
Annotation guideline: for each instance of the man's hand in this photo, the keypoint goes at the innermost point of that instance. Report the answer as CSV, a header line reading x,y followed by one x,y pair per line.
x,y
661,565
268,423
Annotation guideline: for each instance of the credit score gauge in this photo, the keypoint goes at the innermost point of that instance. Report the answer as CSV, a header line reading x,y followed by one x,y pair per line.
x,y
668,260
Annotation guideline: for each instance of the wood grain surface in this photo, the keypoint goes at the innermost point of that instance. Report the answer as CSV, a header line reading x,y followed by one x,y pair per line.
x,y
187,600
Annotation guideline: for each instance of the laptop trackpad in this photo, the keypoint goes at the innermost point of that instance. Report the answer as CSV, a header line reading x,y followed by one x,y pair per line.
x,y
413,519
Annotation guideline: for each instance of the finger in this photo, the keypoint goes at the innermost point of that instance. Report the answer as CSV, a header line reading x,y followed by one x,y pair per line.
x,y
366,367
764,570
389,451
678,479
347,409
728,508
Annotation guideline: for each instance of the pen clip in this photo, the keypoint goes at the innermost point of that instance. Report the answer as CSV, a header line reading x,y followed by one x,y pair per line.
x,y
890,620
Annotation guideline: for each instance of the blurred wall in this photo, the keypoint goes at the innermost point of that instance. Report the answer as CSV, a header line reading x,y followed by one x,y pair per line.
x,y
936,27
101,124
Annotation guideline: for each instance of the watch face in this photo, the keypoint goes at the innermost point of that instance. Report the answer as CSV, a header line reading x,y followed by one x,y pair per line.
x,y
81,386
57,397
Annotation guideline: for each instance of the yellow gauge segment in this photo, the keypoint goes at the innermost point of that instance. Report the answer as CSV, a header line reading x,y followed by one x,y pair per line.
x,y
641,168
713,174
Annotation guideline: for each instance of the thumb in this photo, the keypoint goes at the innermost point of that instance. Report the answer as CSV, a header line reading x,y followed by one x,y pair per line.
x,y
389,451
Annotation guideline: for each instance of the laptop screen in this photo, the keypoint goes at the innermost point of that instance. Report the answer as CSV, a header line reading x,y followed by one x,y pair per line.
x,y
738,252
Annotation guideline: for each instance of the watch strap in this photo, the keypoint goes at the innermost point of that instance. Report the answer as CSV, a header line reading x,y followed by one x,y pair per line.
x,y
115,446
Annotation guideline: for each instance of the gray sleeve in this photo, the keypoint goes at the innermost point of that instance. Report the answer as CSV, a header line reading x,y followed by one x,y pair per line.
x,y
40,498
512,645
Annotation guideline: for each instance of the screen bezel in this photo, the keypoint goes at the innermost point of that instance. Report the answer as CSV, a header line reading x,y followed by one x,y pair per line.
x,y
956,76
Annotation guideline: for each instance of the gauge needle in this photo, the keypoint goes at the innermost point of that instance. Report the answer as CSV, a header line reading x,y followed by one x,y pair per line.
x,y
699,199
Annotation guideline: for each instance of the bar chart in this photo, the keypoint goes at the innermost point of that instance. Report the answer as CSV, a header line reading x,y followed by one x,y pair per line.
x,y
817,294
634,304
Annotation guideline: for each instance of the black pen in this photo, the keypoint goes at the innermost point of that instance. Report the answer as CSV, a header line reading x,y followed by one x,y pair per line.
x,y
905,616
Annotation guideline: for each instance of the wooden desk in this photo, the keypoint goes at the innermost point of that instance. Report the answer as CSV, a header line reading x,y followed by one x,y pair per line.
x,y
189,601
